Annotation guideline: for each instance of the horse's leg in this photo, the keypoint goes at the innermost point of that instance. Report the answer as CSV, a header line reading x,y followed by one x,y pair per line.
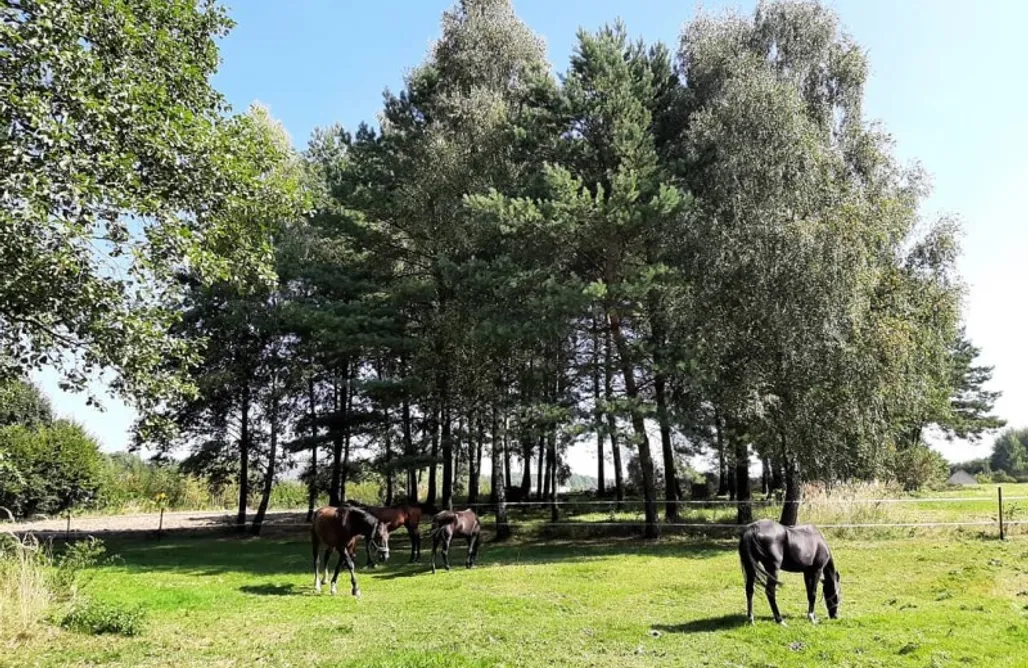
x,y
327,564
413,533
435,545
317,564
343,554
811,578
750,581
447,539
367,547
472,541
353,577
769,589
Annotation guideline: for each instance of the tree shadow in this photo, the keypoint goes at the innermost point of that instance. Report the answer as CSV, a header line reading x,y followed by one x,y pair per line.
x,y
708,625
281,555
271,590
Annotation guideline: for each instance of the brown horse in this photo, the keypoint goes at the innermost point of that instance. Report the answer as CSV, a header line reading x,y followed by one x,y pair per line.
x,y
446,525
406,515
338,529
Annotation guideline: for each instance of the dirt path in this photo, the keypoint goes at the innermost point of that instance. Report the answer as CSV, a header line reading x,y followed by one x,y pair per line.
x,y
173,521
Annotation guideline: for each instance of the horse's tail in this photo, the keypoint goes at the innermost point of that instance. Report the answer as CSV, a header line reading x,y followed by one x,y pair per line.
x,y
752,556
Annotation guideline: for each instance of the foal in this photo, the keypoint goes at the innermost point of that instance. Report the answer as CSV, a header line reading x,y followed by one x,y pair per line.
x,y
338,529
446,525
767,547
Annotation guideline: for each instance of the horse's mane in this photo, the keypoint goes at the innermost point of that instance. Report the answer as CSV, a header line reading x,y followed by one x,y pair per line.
x,y
369,520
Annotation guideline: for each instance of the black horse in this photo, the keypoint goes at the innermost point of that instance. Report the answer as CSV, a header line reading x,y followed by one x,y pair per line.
x,y
450,523
767,547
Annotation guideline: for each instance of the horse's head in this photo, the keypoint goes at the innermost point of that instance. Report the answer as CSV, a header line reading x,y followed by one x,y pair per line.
x,y
833,593
379,539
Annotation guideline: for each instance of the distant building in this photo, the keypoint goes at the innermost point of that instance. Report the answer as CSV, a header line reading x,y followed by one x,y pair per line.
x,y
961,477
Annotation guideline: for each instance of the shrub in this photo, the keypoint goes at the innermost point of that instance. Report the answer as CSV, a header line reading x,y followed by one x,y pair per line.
x,y
1003,476
57,467
920,466
33,580
98,617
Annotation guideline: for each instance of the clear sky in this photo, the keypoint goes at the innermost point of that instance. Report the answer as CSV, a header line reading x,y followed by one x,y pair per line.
x,y
944,82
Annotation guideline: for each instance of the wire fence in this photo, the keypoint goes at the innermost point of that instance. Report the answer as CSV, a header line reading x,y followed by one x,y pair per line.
x,y
576,515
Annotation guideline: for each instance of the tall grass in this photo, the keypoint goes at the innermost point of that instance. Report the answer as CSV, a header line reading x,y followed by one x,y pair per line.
x,y
25,593
36,584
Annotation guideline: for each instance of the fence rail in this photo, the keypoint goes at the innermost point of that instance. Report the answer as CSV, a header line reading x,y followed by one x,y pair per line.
x,y
156,522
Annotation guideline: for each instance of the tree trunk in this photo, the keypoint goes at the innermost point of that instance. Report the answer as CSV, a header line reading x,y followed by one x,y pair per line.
x,y
552,456
723,485
346,437
433,469
544,489
312,490
408,451
335,496
612,426
526,465
506,459
601,484
777,474
502,525
495,480
791,503
447,443
475,459
672,491
638,427
244,457
269,473
742,480
389,459
765,475
539,468
460,449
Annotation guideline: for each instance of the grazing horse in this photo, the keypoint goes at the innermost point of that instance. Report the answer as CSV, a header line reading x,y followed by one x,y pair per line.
x,y
446,525
338,529
403,515
767,547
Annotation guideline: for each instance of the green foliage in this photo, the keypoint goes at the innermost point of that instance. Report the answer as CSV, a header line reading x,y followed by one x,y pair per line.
x,y
1010,452
23,403
920,467
119,167
98,617
57,467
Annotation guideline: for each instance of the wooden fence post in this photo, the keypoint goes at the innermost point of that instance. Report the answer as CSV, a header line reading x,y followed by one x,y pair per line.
x,y
160,524
1002,535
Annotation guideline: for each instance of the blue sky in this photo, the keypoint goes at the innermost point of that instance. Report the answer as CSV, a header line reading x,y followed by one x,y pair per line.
x,y
947,81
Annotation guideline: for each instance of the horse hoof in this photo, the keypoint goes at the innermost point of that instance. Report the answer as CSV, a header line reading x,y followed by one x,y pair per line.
x,y
781,622
812,618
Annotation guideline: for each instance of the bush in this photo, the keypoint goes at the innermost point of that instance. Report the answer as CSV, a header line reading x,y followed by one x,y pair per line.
x,y
98,617
1003,476
51,468
33,580
919,467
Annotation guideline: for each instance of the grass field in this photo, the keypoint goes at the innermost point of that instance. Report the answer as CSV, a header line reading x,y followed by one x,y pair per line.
x,y
916,601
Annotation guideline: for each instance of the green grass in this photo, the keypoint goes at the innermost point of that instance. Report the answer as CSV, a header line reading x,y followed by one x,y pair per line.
x,y
926,601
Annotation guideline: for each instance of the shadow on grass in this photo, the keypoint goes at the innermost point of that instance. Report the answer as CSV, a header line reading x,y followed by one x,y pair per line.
x,y
266,556
722,623
272,590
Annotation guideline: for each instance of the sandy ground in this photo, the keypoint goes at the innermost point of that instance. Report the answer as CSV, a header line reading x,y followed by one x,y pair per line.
x,y
173,521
